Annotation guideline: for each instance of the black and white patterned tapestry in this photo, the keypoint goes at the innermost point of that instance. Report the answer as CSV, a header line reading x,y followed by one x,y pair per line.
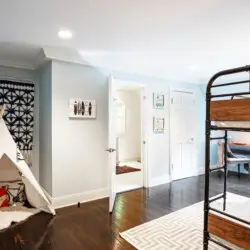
x,y
19,114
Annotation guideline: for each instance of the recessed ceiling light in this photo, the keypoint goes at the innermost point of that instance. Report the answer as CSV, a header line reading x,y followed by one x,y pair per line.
x,y
192,67
65,34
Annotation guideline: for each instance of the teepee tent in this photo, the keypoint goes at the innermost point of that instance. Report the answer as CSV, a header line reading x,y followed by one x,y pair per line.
x,y
13,167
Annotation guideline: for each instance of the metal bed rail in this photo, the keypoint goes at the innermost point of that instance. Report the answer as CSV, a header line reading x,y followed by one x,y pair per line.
x,y
230,129
229,215
209,128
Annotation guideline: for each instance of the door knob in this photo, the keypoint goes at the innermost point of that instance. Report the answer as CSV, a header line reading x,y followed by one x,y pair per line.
x,y
110,150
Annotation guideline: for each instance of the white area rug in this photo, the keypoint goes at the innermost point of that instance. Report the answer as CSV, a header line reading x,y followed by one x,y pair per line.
x,y
179,230
6,218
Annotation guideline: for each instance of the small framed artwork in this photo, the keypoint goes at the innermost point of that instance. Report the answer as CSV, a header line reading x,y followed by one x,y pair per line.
x,y
158,100
82,109
159,124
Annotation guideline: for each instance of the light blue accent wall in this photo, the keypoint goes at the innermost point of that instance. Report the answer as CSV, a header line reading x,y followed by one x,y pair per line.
x,y
200,105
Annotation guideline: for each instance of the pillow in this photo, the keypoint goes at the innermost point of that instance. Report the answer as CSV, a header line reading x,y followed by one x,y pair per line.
x,y
3,198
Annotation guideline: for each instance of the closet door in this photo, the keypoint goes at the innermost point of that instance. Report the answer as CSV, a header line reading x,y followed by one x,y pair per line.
x,y
182,134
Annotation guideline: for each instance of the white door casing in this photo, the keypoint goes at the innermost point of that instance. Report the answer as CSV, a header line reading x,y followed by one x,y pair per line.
x,y
112,144
144,141
182,134
120,84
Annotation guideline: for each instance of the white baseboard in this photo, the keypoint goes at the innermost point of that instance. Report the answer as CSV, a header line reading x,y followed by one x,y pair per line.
x,y
201,170
130,159
159,181
73,199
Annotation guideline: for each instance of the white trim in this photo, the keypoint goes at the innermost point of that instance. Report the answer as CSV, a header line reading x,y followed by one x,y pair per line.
x,y
144,147
73,199
19,65
201,171
133,85
159,180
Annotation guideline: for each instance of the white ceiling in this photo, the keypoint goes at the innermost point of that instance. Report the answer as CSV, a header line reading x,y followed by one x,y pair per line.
x,y
163,38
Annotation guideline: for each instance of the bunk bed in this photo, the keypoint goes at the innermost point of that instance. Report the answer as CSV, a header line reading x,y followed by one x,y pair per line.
x,y
228,227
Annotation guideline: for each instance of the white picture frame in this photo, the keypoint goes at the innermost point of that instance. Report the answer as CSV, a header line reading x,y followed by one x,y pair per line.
x,y
82,109
159,124
158,101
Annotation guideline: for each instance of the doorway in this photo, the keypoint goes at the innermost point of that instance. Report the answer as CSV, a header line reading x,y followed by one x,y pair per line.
x,y
182,136
129,167
127,137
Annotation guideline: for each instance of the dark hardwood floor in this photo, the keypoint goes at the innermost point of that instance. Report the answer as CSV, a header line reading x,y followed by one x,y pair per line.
x,y
92,227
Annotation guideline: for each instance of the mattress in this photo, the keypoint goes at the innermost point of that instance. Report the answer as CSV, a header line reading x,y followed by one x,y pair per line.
x,y
233,124
237,206
240,211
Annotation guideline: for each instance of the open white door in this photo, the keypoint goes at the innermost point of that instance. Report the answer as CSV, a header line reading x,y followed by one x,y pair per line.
x,y
112,144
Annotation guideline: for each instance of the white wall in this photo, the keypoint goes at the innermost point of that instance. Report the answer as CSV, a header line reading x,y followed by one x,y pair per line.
x,y
130,141
26,75
45,126
79,160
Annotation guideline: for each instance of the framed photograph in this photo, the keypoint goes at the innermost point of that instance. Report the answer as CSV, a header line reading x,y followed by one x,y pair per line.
x,y
158,100
82,109
159,124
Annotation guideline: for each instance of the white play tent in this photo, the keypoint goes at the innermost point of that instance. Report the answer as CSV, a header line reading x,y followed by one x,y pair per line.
x,y
13,167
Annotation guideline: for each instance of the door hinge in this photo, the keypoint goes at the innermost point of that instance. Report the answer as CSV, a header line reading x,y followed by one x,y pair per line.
x,y
144,97
172,100
144,142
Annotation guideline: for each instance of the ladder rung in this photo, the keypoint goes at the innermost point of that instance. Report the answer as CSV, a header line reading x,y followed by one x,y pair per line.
x,y
215,169
216,198
217,138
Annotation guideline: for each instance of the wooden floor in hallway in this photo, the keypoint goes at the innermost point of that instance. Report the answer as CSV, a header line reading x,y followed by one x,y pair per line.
x,y
92,227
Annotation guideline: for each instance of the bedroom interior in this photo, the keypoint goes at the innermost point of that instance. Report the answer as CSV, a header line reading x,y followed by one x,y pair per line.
x,y
228,112
125,125
129,170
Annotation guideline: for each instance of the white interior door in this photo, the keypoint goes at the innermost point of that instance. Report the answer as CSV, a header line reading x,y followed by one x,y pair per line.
x,y
112,144
182,134
144,156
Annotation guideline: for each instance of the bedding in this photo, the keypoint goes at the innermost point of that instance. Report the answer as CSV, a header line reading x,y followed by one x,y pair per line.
x,y
240,210
234,124
238,206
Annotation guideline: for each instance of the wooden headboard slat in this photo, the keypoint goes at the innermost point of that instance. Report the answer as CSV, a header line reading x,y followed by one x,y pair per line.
x,y
230,110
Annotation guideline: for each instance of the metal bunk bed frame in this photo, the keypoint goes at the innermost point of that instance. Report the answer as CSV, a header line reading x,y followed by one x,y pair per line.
x,y
209,128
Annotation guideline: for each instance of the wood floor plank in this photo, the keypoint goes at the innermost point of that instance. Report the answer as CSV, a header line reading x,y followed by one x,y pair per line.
x,y
92,227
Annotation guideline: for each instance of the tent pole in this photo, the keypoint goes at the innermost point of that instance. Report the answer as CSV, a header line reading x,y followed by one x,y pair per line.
x,y
2,110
